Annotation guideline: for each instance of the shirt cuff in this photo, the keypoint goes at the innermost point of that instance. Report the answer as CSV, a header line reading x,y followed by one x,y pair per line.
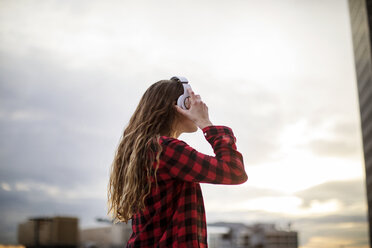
x,y
217,131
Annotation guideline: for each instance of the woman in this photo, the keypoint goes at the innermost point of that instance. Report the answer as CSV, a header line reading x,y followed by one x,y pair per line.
x,y
154,178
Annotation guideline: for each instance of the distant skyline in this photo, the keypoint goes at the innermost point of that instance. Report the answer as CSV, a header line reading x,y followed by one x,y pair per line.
x,y
279,73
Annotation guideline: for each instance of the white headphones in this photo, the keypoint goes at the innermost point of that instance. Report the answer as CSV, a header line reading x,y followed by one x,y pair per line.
x,y
182,98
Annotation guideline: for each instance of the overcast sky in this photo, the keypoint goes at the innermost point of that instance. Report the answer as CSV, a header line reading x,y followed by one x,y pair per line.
x,y
279,73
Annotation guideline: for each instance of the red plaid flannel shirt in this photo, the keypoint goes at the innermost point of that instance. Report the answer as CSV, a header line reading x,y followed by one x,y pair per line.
x,y
174,215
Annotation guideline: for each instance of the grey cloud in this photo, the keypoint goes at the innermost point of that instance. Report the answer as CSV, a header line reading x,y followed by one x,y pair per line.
x,y
333,219
75,138
344,140
347,192
334,148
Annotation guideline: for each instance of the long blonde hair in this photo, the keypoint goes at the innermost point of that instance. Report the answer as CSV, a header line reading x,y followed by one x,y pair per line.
x,y
139,147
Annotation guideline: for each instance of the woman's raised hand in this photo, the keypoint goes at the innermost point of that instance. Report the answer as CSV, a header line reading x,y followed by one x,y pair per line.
x,y
197,112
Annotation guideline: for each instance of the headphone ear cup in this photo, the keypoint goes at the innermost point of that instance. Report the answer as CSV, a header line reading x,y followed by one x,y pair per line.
x,y
180,101
182,98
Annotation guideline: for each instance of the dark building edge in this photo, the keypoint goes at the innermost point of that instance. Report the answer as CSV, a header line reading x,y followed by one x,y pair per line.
x,y
361,20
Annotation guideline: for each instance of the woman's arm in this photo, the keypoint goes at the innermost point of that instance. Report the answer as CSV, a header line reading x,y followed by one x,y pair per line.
x,y
185,163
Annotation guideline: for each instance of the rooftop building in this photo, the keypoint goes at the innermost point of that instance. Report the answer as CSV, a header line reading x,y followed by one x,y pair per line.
x,y
260,235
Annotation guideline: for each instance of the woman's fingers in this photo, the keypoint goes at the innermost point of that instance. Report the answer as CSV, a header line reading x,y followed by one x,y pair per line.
x,y
179,109
193,96
191,93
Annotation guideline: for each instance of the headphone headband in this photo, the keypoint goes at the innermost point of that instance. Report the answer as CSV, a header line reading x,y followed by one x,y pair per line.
x,y
180,79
